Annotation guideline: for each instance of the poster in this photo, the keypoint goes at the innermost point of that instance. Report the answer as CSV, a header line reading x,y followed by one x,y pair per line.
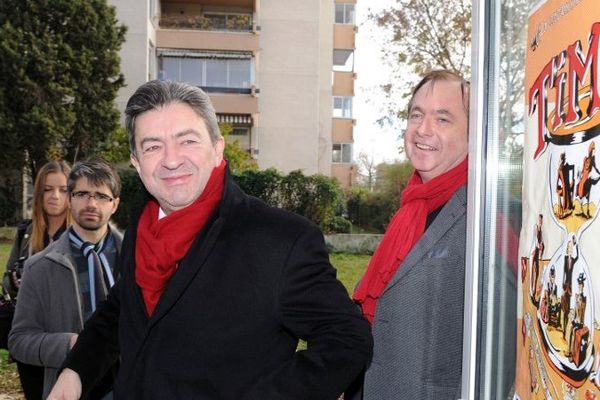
x,y
558,330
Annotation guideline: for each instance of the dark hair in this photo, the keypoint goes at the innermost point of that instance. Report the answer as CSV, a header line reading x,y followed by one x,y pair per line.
x,y
156,94
98,172
443,75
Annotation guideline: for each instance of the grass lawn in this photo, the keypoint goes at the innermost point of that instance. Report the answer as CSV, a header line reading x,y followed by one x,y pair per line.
x,y
10,389
349,270
4,253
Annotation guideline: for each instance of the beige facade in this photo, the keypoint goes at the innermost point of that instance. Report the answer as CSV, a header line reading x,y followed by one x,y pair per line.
x,y
268,65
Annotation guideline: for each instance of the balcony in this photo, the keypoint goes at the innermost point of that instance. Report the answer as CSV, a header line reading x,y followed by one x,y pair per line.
x,y
344,36
345,174
342,130
343,83
244,4
193,39
222,22
227,103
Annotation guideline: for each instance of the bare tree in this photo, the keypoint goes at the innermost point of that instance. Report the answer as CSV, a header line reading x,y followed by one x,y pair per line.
x,y
422,35
367,170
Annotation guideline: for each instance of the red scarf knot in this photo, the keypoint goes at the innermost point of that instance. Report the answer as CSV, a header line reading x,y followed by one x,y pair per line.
x,y
162,243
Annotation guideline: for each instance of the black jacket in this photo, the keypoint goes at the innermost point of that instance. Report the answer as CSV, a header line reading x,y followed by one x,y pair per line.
x,y
255,280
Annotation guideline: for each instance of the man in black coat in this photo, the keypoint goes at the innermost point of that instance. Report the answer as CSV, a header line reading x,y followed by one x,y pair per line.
x,y
217,287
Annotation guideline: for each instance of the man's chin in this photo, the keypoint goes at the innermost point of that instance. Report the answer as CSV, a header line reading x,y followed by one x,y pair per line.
x,y
177,202
91,227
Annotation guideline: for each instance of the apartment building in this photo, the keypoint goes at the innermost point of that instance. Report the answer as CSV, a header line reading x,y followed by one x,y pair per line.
x,y
281,72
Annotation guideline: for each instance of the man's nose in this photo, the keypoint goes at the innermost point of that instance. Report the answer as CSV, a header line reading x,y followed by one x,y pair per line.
x,y
425,127
171,157
92,200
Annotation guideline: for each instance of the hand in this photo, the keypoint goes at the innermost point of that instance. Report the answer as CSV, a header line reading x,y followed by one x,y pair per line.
x,y
73,340
67,386
15,279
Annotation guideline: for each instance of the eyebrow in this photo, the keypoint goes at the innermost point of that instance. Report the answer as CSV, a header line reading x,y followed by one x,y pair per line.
x,y
441,111
187,132
177,136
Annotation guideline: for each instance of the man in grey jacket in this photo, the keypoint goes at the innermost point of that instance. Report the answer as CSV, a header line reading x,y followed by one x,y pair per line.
x,y
412,292
62,284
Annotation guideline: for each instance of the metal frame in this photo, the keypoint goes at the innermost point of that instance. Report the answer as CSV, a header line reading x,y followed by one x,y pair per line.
x,y
476,209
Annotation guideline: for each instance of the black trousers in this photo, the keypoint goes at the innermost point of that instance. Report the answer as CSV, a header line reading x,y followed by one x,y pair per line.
x,y
32,380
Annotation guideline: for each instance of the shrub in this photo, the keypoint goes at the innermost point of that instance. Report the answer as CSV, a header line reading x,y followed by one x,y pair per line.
x,y
133,195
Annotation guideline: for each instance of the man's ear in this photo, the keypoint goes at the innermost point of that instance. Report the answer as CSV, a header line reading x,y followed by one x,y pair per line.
x,y
116,202
219,149
134,161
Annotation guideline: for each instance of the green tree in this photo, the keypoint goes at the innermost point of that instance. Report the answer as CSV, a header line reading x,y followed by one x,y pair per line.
x,y
115,149
371,210
316,197
59,75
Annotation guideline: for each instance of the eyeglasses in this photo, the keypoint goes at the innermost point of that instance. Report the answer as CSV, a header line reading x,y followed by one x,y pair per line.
x,y
99,197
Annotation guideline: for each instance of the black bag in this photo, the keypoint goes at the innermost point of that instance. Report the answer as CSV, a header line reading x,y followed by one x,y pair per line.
x,y
7,311
10,286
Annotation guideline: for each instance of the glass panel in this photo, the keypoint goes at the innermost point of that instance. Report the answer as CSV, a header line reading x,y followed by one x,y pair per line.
x,y
504,85
344,13
191,71
169,69
343,60
347,153
239,73
217,21
216,73
239,131
336,155
347,107
349,14
339,13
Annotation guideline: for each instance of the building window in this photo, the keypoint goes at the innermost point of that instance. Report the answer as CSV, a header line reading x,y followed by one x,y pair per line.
x,y
342,153
342,107
343,60
212,72
344,13
241,136
240,131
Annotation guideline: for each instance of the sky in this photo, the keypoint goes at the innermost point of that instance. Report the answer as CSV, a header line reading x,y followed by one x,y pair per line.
x,y
379,143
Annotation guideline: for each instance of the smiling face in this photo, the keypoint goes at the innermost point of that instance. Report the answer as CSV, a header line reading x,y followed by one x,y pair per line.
x,y
436,135
55,201
175,155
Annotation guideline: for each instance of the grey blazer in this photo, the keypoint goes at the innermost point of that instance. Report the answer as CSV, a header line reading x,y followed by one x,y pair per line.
x,y
418,325
48,309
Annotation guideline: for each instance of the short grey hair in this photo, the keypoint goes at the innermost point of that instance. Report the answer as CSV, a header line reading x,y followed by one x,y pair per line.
x,y
98,172
156,94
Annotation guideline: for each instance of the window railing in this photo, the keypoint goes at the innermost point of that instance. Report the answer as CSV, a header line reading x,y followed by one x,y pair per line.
x,y
208,22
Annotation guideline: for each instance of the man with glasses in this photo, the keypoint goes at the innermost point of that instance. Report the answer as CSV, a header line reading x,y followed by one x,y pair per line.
x,y
63,284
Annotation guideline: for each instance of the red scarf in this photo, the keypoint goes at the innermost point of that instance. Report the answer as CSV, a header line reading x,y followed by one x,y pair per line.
x,y
162,243
418,199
